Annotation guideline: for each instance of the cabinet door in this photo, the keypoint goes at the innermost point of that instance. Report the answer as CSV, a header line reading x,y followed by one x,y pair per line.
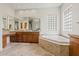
x,y
12,39
4,41
35,37
19,37
74,47
25,37
30,38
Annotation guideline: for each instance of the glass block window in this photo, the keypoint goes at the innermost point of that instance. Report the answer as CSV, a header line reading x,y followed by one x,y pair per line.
x,y
52,23
67,21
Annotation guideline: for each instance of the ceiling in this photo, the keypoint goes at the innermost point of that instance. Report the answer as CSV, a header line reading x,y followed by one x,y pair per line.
x,y
33,5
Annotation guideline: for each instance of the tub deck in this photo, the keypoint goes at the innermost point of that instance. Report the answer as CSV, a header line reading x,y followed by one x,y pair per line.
x,y
56,39
55,44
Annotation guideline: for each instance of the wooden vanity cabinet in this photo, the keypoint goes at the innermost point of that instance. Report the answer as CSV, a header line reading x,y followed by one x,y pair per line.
x,y
30,37
26,37
18,37
4,41
35,37
74,46
12,37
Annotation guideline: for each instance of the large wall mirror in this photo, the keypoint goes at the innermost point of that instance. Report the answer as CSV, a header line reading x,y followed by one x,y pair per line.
x,y
8,23
34,24
28,24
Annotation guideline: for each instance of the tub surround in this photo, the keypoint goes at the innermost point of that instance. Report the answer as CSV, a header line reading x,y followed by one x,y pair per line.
x,y
57,39
74,36
74,45
58,49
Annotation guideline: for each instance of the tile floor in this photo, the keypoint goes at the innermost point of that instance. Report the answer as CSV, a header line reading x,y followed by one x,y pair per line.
x,y
25,49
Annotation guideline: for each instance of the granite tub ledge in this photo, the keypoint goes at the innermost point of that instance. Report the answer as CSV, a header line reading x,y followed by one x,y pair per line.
x,y
74,36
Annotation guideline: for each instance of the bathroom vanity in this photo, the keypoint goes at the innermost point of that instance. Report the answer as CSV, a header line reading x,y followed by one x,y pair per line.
x,y
5,40
74,45
20,30
24,37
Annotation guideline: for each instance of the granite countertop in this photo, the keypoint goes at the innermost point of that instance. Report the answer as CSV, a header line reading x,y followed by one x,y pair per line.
x,y
23,31
8,34
26,30
74,35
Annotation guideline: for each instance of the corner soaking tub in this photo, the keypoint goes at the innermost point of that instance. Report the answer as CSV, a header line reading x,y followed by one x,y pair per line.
x,y
55,44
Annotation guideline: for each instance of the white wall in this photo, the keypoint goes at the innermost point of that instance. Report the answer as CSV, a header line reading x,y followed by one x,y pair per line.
x,y
1,32
5,10
26,13
75,18
43,13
